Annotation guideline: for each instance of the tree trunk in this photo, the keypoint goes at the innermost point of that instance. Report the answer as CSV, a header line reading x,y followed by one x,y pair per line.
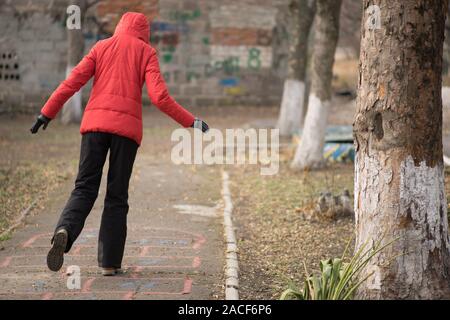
x,y
399,178
446,54
301,16
309,153
73,110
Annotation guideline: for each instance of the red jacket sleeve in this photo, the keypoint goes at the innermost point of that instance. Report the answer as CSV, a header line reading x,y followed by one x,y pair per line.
x,y
76,79
159,95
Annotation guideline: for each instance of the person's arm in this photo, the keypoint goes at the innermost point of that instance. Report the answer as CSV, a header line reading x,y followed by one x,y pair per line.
x,y
76,79
157,91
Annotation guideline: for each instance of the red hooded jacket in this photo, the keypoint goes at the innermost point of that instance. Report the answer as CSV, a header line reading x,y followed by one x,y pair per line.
x,y
120,66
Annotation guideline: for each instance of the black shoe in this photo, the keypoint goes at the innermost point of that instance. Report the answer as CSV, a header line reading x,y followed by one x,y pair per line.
x,y
55,257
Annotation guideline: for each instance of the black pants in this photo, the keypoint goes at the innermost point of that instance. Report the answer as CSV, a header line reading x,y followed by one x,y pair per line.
x,y
113,228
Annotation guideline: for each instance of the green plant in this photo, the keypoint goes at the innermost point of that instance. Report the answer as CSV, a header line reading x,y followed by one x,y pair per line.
x,y
338,280
5,236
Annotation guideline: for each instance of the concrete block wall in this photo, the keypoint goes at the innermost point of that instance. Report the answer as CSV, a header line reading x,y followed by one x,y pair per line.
x,y
32,47
211,52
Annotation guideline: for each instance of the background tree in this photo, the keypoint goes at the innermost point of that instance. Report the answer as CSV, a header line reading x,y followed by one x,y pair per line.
x,y
309,153
399,179
446,54
301,16
73,110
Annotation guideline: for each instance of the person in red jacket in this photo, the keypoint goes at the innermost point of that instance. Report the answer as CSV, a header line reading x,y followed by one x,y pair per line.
x,y
112,121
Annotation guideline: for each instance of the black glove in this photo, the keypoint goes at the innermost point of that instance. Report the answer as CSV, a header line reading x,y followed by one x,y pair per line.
x,y
200,124
41,120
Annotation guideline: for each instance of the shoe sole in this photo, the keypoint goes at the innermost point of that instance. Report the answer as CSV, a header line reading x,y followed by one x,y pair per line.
x,y
55,257
108,273
115,272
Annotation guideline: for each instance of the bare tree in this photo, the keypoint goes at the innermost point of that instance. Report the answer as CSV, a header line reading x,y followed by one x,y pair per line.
x,y
73,110
301,16
309,153
399,178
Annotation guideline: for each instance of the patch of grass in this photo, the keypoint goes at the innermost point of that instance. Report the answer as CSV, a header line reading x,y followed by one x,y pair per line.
x,y
33,165
5,236
274,238
273,235
21,184
339,278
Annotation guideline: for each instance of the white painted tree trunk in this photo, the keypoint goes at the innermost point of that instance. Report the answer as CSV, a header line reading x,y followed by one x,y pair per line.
x,y
73,109
399,177
309,153
407,203
301,17
292,104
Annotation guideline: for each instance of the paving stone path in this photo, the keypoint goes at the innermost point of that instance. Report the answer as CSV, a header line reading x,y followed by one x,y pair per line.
x,y
170,253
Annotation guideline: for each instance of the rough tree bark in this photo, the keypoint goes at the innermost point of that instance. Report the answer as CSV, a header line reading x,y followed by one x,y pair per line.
x,y
301,16
72,110
399,179
446,54
309,153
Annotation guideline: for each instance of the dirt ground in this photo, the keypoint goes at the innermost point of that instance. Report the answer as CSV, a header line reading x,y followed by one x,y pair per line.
x,y
273,213
274,231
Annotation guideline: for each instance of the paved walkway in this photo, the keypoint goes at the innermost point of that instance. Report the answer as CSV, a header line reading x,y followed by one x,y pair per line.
x,y
174,250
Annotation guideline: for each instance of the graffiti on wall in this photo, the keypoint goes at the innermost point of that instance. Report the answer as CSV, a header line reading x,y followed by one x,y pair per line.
x,y
245,37
228,44
166,37
210,48
183,16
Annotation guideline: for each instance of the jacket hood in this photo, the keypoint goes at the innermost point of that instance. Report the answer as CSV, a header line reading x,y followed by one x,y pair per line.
x,y
134,24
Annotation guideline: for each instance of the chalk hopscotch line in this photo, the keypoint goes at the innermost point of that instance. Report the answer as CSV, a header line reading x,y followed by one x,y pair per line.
x,y
125,294
147,261
145,251
197,242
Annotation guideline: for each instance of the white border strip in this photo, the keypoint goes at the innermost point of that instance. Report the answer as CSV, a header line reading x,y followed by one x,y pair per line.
x,y
231,263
